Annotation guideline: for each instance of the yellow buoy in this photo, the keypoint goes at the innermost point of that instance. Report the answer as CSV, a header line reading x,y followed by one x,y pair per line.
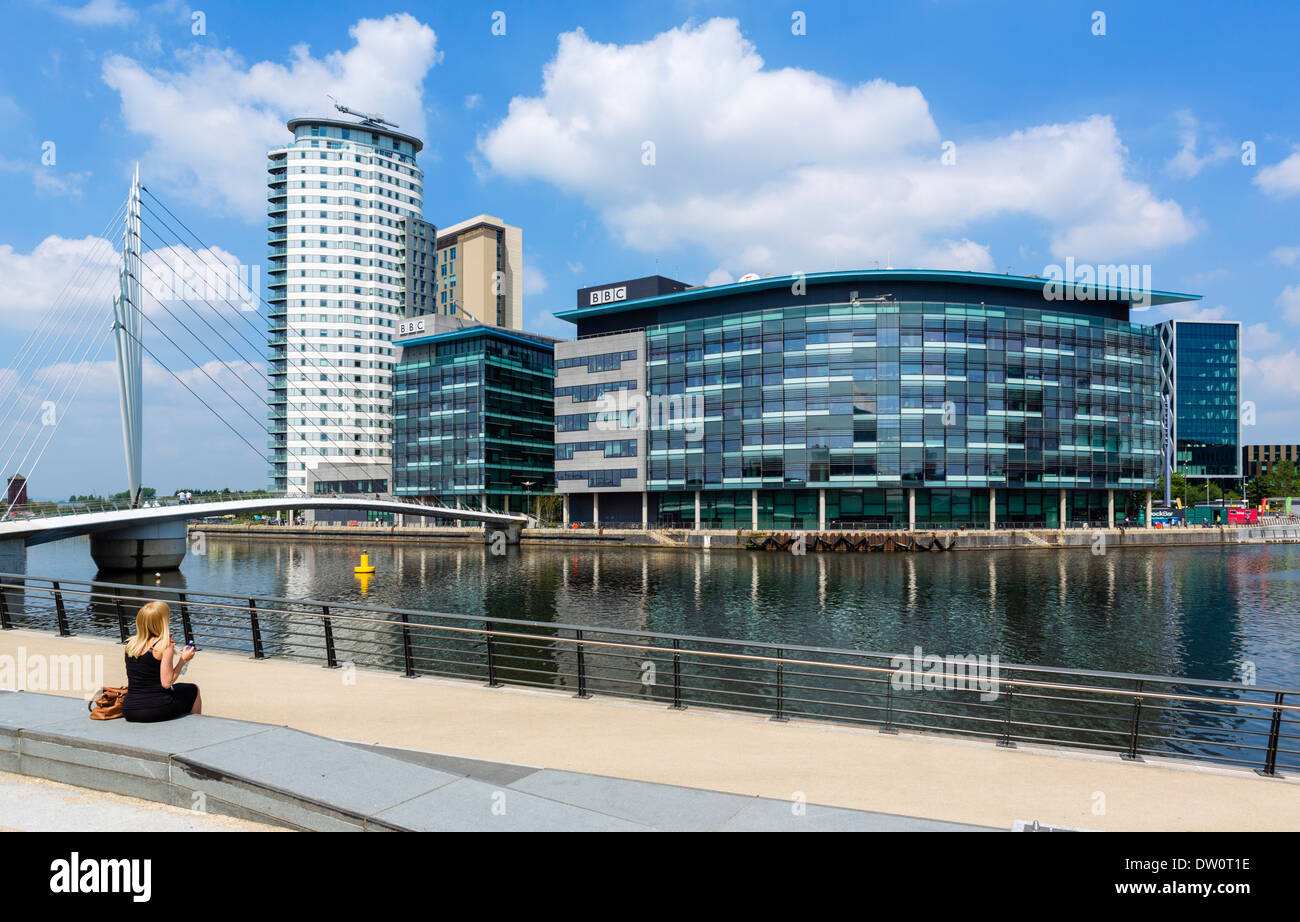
x,y
364,569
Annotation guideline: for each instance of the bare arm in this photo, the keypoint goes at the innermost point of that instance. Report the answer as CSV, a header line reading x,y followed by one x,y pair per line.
x,y
169,667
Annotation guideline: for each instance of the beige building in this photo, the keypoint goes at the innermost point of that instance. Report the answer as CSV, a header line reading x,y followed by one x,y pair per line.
x,y
480,272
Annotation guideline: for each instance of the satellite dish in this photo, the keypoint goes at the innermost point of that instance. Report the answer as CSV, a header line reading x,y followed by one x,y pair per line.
x,y
749,277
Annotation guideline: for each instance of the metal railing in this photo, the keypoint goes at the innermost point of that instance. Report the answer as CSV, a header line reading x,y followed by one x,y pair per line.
x,y
1129,714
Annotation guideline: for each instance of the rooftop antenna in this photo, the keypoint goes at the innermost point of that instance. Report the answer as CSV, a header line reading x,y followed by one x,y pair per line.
x,y
378,121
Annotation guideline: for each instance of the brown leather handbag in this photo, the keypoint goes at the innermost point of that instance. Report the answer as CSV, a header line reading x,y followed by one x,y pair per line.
x,y
107,704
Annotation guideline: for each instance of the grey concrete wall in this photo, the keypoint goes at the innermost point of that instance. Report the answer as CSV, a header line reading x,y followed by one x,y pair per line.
x,y
568,377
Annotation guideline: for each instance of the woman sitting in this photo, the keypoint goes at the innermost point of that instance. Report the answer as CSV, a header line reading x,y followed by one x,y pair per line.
x,y
152,692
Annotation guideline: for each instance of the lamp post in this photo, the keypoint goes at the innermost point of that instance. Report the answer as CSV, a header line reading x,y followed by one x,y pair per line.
x,y
528,495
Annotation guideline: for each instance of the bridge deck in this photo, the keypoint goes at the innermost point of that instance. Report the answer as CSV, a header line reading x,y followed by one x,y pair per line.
x,y
38,530
935,777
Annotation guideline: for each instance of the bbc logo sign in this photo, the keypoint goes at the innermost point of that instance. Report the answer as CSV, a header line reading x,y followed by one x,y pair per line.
x,y
411,326
609,295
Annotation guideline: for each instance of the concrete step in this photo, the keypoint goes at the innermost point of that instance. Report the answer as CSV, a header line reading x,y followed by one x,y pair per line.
x,y
280,776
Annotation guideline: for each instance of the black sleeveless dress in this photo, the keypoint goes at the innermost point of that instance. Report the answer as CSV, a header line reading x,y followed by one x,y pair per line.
x,y
146,700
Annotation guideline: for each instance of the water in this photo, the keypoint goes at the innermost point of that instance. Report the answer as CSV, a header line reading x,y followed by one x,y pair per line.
x,y
1203,612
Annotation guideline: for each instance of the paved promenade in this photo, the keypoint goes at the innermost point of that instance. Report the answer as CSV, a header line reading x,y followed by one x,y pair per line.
x,y
36,805
970,782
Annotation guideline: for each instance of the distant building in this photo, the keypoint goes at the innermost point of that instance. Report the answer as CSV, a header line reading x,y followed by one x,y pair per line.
x,y
344,200
875,398
480,272
473,414
17,493
1257,460
1200,373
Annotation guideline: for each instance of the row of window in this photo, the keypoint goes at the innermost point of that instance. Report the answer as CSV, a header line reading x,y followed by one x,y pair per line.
x,y
613,448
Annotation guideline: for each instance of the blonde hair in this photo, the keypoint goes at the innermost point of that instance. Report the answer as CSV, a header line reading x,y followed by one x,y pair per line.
x,y
152,620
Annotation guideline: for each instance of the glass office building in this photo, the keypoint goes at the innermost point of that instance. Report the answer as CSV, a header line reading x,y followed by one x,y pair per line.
x,y
473,420
1201,373
887,399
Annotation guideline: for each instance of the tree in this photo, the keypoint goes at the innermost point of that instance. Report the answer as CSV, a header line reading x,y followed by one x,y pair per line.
x,y
1281,481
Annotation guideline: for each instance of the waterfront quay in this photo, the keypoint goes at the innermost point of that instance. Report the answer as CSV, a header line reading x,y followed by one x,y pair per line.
x,y
790,764
746,539
902,739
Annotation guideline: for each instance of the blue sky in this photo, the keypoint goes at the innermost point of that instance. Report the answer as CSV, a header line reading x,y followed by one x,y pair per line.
x,y
773,152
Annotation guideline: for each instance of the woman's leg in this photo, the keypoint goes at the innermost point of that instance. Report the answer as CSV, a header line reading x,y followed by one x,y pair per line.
x,y
198,703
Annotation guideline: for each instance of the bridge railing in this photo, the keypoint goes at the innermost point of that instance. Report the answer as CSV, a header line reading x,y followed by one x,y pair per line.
x,y
41,510
1128,714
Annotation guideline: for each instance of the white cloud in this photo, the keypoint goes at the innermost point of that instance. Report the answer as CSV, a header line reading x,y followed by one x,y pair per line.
x,y
1272,375
473,100
1281,179
211,122
1289,301
778,169
1196,311
1286,256
97,13
1187,162
74,274
76,278
534,282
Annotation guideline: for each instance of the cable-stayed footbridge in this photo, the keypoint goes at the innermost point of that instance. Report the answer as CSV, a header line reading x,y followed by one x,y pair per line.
x,y
217,344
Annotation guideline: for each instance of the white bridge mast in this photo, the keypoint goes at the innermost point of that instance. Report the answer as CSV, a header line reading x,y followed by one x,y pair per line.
x,y
127,327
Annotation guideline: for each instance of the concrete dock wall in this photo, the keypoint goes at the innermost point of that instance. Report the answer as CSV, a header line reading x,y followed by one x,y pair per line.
x,y
717,539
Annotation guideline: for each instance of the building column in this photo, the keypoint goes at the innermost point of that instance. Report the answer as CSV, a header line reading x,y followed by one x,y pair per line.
x,y
697,510
1110,508
595,509
911,508
753,510
645,509
565,498
1062,521
993,508
821,509
484,504
1148,518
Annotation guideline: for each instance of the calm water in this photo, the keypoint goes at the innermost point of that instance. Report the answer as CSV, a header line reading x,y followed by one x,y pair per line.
x,y
1197,612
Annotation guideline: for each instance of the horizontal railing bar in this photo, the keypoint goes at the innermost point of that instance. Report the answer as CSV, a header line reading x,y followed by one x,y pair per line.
x,y
1095,674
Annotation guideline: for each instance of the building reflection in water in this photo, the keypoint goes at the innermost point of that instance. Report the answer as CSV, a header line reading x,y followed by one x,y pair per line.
x,y
1199,612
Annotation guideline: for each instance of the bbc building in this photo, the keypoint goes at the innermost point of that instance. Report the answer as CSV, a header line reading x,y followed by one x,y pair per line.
x,y
864,399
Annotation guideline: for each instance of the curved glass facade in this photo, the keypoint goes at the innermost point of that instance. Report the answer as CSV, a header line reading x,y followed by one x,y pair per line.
x,y
871,398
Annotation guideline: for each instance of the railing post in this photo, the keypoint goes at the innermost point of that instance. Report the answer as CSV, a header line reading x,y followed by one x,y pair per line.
x,y
889,708
780,687
581,669
258,653
4,611
186,627
121,620
407,657
1132,754
677,677
60,612
1274,732
491,656
331,658
1006,742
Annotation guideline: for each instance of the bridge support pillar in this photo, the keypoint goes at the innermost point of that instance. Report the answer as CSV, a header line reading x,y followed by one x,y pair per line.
x,y
510,531
13,556
148,546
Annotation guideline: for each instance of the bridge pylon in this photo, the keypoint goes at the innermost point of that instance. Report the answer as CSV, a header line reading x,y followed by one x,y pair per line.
x,y
127,327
